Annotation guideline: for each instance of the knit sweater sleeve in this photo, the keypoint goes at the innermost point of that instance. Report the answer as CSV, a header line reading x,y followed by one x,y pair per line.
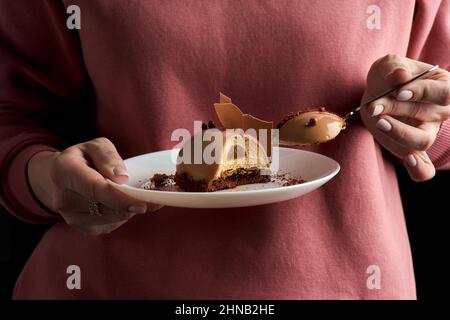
x,y
43,84
430,42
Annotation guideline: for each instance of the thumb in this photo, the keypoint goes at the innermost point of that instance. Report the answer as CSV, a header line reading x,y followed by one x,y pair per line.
x,y
398,76
419,166
396,73
388,72
106,160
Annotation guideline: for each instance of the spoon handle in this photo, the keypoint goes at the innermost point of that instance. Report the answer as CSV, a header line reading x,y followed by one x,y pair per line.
x,y
389,91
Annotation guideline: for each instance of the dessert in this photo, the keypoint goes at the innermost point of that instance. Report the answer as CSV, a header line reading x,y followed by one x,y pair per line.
x,y
312,126
216,159
241,160
238,157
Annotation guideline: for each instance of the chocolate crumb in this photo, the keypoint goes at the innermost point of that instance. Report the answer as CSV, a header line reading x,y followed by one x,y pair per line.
x,y
165,182
286,118
293,181
284,179
161,179
211,124
291,115
204,126
312,122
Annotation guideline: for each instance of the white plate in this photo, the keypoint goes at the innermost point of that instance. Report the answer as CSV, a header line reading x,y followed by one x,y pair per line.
x,y
315,168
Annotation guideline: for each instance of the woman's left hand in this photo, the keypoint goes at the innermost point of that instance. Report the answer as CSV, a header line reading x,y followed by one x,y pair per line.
x,y
407,122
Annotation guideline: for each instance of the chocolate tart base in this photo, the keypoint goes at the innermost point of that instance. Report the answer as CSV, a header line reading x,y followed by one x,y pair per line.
x,y
241,177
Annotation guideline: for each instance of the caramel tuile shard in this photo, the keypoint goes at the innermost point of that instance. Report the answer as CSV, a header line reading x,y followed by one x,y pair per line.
x,y
223,98
231,117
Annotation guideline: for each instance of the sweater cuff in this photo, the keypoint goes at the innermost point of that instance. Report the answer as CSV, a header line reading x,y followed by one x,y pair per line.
x,y
439,152
18,190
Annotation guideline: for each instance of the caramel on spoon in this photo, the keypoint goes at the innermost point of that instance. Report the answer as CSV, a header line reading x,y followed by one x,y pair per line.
x,y
318,125
310,127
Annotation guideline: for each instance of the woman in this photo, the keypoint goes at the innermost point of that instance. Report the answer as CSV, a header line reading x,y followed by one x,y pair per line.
x,y
136,70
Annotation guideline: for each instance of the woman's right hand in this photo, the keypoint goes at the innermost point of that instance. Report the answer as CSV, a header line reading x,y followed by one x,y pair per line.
x,y
67,182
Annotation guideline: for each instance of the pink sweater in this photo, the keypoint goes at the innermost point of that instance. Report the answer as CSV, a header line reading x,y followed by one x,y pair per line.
x,y
139,69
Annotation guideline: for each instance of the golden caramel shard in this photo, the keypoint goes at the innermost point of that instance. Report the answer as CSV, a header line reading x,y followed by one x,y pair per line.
x,y
231,117
224,98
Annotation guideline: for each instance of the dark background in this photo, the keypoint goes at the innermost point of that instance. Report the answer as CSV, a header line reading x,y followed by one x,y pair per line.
x,y
427,215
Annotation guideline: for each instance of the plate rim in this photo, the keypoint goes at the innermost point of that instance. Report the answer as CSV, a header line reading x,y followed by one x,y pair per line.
x,y
328,177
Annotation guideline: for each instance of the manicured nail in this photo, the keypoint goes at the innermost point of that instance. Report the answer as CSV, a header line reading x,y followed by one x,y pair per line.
x,y
411,160
378,110
405,95
120,172
384,125
137,209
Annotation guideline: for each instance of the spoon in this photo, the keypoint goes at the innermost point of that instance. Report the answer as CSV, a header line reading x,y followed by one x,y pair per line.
x,y
316,126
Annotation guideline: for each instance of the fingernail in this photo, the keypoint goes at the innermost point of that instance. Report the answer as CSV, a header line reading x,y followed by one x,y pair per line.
x,y
120,172
378,110
405,95
384,125
137,209
411,160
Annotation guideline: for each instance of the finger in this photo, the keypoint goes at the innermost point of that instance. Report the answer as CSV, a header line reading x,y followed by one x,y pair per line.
x,y
396,73
398,69
107,222
419,166
392,146
106,159
431,127
96,230
427,90
392,70
105,218
387,142
389,65
414,110
84,219
72,202
76,175
393,63
79,217
408,136
419,170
